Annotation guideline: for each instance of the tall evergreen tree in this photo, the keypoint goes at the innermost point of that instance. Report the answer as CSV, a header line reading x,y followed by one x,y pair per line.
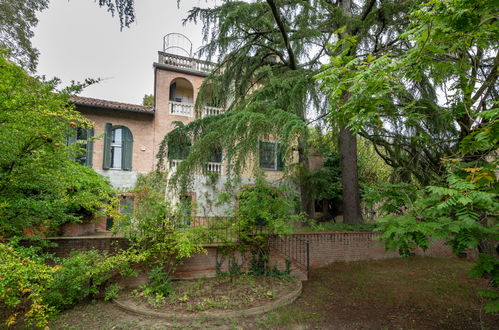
x,y
268,54
417,99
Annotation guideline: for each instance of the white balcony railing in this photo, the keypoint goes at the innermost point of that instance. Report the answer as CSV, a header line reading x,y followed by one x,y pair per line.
x,y
174,163
210,167
214,167
186,62
182,109
210,111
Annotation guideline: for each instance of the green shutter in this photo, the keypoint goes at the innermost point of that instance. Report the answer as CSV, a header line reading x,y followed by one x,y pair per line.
x,y
70,141
106,155
126,160
90,147
260,149
280,157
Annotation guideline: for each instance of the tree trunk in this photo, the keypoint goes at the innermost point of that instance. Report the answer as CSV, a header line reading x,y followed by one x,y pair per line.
x,y
349,179
306,202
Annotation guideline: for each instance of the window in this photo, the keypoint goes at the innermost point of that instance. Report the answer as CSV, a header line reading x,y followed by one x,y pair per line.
x,y
82,137
216,156
186,208
271,156
126,205
118,148
178,151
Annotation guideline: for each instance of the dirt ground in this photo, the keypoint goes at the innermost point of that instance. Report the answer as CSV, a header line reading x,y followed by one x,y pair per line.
x,y
414,293
219,294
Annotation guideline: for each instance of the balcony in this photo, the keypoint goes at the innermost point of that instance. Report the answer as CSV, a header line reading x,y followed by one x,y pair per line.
x,y
211,167
214,167
174,163
211,111
186,62
181,109
187,109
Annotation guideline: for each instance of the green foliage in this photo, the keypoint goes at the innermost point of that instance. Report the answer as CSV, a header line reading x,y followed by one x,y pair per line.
x,y
40,186
160,283
428,103
112,291
34,291
393,198
325,182
148,100
86,274
22,287
17,19
314,226
457,212
161,234
394,92
488,267
263,210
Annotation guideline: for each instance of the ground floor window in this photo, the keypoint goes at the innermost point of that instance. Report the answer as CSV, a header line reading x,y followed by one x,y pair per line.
x,y
271,156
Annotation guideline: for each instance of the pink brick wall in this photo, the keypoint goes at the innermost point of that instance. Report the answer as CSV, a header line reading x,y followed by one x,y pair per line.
x,y
329,247
325,248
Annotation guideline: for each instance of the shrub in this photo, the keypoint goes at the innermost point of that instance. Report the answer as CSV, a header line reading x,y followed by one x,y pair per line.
x,y
161,234
263,211
22,286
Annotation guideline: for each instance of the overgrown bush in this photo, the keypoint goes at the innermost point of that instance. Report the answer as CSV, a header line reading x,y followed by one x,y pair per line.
x,y
33,291
86,274
263,210
41,187
23,282
158,228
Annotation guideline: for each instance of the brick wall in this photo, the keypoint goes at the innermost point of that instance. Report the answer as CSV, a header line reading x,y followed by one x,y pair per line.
x,y
328,247
324,248
66,244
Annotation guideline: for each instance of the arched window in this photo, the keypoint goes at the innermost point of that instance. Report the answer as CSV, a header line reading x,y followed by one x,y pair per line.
x,y
118,148
181,97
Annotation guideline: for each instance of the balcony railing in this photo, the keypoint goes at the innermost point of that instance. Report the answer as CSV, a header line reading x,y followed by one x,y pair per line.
x,y
186,62
182,109
209,167
174,163
214,167
210,111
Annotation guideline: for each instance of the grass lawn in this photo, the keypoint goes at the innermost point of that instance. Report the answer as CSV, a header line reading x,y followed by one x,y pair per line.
x,y
415,293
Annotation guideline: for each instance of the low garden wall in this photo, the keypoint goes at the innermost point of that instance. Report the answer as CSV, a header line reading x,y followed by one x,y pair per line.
x,y
66,244
324,249
328,247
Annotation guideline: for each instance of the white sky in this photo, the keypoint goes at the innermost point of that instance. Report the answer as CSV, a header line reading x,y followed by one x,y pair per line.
x,y
77,39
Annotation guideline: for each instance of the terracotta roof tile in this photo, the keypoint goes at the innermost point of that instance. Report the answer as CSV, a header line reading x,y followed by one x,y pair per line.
x,y
88,101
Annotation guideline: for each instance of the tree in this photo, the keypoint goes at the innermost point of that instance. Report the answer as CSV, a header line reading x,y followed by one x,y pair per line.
x,y
413,102
268,54
40,185
148,100
451,65
18,18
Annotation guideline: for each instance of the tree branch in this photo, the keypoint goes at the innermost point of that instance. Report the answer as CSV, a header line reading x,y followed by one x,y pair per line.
x,y
292,59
